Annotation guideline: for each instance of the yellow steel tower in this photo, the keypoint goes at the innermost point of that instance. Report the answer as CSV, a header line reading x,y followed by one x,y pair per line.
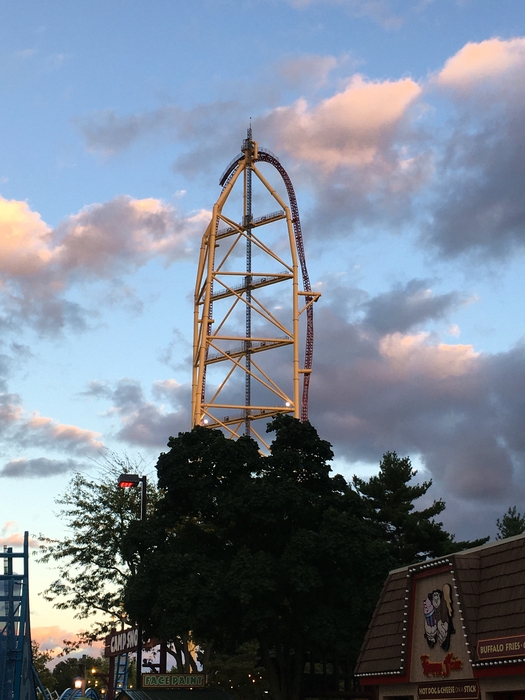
x,y
249,310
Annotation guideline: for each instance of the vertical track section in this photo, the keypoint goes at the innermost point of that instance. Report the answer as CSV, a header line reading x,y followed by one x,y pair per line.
x,y
267,157
248,152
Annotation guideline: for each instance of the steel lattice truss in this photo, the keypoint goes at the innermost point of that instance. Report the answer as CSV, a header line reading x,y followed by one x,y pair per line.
x,y
249,309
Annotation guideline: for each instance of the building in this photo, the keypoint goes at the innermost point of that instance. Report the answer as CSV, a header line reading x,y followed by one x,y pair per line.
x,y
451,628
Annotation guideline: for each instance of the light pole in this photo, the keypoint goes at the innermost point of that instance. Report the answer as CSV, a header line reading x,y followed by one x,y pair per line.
x,y
126,481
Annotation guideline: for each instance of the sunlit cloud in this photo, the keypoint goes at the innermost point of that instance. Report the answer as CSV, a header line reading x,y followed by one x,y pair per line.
x,y
102,242
477,62
8,538
350,128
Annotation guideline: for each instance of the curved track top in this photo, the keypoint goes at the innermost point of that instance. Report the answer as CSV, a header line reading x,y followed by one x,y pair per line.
x,y
249,311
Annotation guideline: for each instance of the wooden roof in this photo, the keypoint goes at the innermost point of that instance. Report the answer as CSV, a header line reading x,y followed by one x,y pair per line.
x,y
491,585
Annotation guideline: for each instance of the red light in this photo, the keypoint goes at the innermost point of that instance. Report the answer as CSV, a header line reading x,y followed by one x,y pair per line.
x,y
126,481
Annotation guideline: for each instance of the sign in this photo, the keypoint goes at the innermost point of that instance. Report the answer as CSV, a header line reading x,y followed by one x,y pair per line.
x,y
121,642
455,690
501,647
440,668
173,680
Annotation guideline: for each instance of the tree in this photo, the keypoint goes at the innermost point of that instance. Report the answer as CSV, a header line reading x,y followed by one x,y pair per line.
x,y
246,547
412,535
512,523
40,661
92,566
93,669
240,674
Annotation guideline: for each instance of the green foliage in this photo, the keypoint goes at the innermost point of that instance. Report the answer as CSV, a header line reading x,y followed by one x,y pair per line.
x,y
92,566
512,523
245,547
94,670
40,661
412,535
240,673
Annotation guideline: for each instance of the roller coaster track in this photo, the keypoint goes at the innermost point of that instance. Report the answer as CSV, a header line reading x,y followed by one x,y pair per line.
x,y
267,156
217,282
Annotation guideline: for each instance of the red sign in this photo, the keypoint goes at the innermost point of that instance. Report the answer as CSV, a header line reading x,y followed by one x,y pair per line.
x,y
455,690
501,647
441,668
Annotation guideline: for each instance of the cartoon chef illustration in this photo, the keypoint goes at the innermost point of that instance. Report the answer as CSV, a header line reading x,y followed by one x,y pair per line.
x,y
438,612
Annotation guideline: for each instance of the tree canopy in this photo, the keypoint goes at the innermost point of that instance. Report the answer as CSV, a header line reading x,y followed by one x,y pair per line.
x,y
266,561
248,547
91,563
512,523
412,535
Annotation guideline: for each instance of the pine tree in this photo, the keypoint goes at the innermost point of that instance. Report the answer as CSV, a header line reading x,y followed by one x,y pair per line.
x,y
413,535
512,523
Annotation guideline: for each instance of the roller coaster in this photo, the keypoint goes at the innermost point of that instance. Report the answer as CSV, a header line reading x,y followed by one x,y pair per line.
x,y
18,678
248,306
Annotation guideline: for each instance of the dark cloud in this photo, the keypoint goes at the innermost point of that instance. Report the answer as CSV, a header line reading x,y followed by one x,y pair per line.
x,y
480,176
481,206
37,468
141,421
407,306
461,412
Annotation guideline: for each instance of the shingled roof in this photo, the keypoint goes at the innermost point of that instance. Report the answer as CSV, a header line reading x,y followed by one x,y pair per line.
x,y
490,582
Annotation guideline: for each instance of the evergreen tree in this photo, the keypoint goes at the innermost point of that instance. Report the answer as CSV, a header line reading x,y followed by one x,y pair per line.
x,y
512,523
413,535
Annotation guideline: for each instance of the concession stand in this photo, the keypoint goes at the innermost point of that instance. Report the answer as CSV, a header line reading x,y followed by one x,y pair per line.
x,y
451,628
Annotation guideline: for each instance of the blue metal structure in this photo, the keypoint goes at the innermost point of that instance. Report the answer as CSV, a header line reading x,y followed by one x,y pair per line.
x,y
72,693
121,672
17,679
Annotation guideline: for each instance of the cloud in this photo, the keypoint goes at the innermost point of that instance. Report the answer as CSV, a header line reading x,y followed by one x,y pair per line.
x,y
42,431
459,411
51,638
15,539
10,410
40,467
140,230
351,128
141,422
24,239
477,63
374,153
36,431
407,306
359,152
108,133
478,202
100,243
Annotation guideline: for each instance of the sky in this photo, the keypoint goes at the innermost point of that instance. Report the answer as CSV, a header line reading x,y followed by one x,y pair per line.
x,y
400,123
